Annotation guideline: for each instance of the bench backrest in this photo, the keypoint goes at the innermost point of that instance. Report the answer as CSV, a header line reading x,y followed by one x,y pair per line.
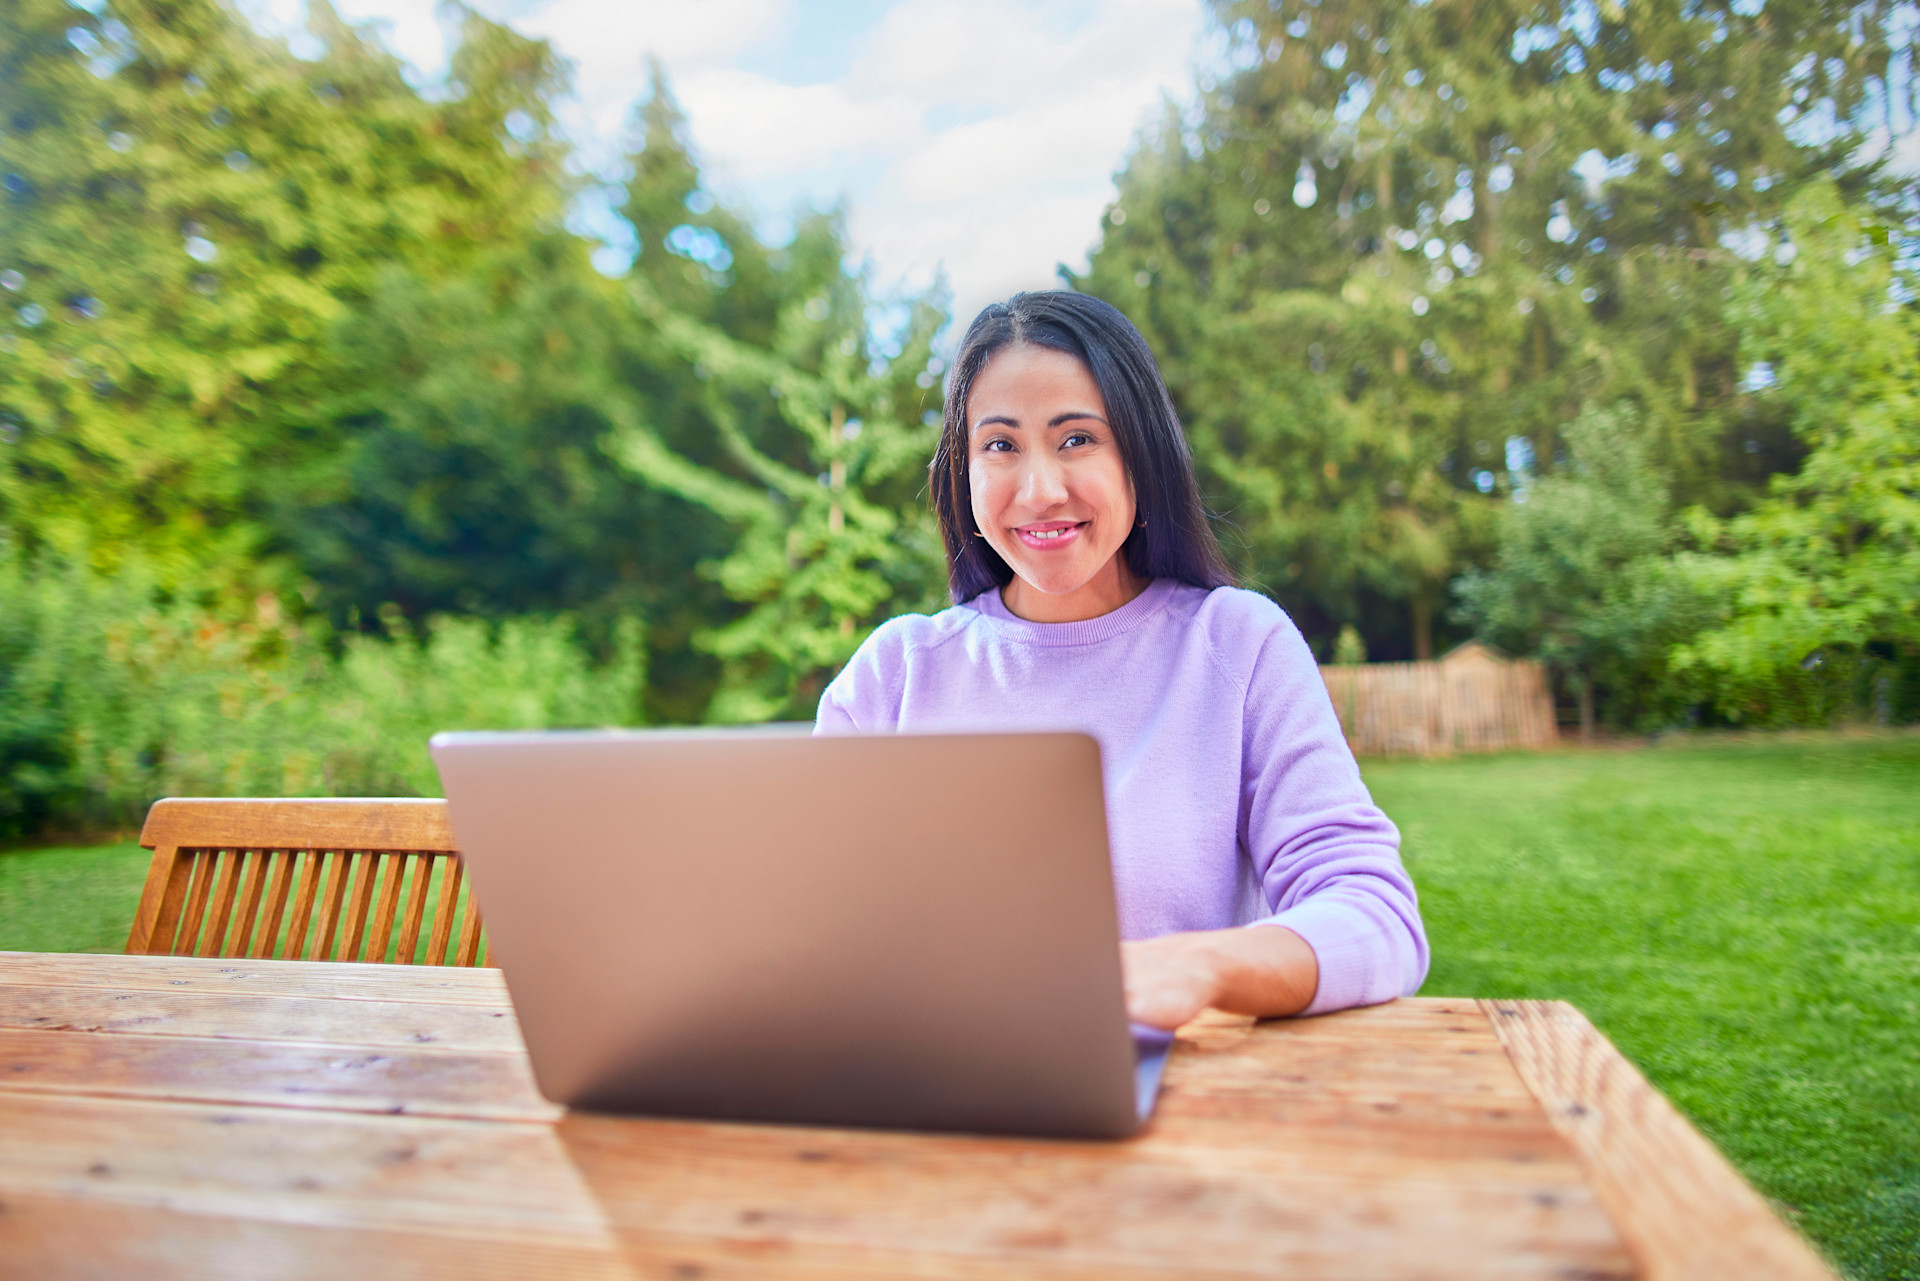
x,y
318,880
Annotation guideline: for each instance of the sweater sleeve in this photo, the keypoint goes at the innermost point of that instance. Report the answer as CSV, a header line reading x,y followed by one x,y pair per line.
x,y
1327,858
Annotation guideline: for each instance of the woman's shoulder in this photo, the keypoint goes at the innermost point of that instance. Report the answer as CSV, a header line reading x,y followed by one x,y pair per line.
x,y
901,639
866,693
1233,617
903,635
1252,639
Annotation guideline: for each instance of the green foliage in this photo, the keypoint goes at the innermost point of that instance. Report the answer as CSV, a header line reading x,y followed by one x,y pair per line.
x,y
341,346
1397,237
1740,916
1827,568
1581,577
113,693
297,358
189,210
1348,648
816,437
460,466
823,556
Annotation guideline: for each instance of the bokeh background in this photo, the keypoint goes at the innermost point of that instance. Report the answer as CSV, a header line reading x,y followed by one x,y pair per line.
x,y
384,367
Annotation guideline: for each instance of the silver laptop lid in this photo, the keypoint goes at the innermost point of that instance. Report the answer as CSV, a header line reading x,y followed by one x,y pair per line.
x,y
909,931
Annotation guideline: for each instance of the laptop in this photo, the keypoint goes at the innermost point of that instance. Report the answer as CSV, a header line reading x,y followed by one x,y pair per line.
x,y
903,931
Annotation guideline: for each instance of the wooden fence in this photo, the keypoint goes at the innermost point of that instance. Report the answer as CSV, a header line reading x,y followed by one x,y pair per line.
x,y
1473,700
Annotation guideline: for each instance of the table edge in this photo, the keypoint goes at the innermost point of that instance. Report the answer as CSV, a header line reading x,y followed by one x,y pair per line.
x,y
1684,1212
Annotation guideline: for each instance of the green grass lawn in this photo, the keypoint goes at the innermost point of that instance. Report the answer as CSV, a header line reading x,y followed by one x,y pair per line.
x,y
70,900
1741,915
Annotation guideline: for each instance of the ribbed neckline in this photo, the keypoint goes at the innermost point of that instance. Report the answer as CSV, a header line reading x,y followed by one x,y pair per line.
x,y
1087,631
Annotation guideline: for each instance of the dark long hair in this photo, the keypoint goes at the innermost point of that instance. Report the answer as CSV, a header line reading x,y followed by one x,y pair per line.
x,y
1176,541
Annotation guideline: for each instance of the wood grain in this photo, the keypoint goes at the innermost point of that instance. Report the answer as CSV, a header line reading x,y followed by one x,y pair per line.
x,y
416,910
186,1012
270,927
332,895
380,934
1342,1165
257,864
211,873
490,1181
154,899
226,885
443,915
303,900
357,824
471,950
343,981
422,1081
193,916
1683,1211
212,1118
1473,700
57,1237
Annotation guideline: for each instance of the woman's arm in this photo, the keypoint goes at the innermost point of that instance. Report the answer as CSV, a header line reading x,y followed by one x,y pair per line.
x,y
1327,859
1343,926
1265,971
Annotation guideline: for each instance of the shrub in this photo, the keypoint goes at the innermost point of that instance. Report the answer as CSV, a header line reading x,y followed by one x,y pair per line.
x,y
113,693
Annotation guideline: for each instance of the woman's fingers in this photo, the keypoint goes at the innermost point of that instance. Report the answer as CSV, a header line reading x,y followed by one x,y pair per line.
x,y
1167,982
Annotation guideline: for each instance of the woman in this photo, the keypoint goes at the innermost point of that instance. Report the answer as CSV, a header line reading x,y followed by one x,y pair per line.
x,y
1090,594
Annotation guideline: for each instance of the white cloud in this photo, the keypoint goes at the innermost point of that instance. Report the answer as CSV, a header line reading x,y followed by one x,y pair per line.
x,y
610,44
757,127
976,135
1011,155
1024,111
1010,54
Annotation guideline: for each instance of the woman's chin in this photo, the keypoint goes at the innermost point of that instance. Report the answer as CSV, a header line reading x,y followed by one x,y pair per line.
x,y
1051,580
1051,586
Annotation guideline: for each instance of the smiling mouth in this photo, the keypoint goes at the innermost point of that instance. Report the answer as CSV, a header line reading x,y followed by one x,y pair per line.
x,y
1053,533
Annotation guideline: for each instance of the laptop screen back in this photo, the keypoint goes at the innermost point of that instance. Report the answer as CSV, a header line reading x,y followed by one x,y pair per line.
x,y
911,931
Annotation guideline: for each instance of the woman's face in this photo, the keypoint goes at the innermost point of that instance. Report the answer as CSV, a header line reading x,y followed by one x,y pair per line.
x,y
1050,492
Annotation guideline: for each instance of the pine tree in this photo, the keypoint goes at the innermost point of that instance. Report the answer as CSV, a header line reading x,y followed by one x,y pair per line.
x,y
1400,244
779,412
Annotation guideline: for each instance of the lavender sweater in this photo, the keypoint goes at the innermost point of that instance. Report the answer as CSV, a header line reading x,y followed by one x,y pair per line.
x,y
1231,796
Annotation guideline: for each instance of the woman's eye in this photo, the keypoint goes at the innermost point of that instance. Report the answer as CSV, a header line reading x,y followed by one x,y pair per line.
x,y
1077,438
997,446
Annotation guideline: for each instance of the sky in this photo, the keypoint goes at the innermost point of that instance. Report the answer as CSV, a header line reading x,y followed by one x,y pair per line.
x,y
974,138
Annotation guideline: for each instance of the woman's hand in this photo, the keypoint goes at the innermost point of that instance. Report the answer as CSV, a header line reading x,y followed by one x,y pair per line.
x,y
1264,970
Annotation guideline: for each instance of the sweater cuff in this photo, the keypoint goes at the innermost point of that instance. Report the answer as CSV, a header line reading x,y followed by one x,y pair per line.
x,y
1346,947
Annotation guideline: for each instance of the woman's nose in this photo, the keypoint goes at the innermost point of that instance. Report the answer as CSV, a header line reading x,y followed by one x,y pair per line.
x,y
1042,482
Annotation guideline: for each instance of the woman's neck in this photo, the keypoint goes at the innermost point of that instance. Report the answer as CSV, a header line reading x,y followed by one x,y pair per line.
x,y
1106,591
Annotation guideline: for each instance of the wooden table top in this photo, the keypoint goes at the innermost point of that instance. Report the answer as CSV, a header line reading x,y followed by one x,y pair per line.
x,y
177,1117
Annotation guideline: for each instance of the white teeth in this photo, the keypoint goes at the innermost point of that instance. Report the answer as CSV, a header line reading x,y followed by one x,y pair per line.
x,y
1045,533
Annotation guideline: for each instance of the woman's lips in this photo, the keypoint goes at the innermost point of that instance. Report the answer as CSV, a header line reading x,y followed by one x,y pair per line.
x,y
1049,535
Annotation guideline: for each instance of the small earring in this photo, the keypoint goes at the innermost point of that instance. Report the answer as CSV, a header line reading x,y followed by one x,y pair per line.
x,y
1142,524
978,534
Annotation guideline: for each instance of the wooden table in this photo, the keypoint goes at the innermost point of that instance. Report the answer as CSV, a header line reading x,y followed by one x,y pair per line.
x,y
174,1117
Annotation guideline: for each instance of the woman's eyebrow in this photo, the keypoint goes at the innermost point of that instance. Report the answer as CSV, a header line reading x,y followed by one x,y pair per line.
x,y
1072,415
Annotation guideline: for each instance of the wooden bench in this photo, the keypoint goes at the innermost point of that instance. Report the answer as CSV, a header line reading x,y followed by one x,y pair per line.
x,y
317,880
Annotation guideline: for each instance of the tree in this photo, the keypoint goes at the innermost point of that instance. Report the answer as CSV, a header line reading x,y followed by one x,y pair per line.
x,y
463,470
1579,577
798,426
1829,563
190,209
1400,243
